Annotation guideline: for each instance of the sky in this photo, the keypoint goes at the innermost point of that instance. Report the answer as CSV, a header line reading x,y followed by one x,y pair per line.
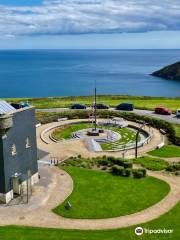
x,y
74,24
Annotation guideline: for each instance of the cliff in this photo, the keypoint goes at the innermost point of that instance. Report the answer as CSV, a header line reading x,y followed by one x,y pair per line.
x,y
171,72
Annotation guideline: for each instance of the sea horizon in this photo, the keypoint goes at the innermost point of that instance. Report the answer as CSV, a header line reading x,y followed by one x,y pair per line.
x,y
72,72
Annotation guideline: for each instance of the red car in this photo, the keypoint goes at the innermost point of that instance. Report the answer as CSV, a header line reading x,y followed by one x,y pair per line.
x,y
162,110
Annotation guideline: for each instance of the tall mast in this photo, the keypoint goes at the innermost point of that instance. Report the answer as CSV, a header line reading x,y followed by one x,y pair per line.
x,y
95,106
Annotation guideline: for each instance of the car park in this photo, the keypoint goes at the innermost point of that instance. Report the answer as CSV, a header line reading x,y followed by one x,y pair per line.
x,y
162,110
78,106
125,106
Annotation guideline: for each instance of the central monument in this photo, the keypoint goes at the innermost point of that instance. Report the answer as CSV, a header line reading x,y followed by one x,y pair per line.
x,y
95,131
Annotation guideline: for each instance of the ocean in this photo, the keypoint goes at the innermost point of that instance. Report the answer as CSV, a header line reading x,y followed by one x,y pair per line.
x,y
42,73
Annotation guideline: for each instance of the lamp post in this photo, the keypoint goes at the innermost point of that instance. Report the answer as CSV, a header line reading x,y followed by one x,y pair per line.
x,y
137,135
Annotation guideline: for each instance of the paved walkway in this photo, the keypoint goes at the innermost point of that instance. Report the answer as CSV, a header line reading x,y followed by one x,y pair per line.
x,y
56,186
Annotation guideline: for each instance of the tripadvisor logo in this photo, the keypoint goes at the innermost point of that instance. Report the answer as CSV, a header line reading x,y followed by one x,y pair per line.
x,y
139,231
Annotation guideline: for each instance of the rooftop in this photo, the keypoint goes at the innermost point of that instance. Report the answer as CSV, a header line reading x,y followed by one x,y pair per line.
x,y
5,107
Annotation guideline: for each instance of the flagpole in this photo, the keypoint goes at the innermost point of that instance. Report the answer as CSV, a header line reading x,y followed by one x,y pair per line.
x,y
95,106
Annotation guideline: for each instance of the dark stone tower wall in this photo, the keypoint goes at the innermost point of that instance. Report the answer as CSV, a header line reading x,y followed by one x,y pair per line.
x,y
26,158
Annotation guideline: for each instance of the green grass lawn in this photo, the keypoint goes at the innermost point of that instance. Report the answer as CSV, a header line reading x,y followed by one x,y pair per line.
x,y
65,131
169,220
99,194
152,163
168,151
139,102
127,136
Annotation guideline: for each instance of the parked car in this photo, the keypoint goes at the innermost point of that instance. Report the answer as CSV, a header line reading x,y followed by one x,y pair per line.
x,y
101,106
78,106
178,113
162,110
16,105
125,106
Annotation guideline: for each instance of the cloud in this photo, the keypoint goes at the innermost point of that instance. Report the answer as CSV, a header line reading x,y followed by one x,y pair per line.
x,y
55,17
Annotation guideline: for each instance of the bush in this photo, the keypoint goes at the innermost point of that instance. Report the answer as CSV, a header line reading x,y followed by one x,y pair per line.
x,y
84,165
173,168
118,170
128,172
137,173
127,164
111,159
144,171
104,162
118,161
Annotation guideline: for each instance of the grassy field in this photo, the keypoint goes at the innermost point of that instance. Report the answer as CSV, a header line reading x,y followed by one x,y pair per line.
x,y
169,220
65,131
152,163
100,194
167,151
139,102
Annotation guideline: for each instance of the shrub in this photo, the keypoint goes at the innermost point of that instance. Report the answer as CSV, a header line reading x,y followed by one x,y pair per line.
x,y
127,164
84,165
118,161
144,171
173,168
137,173
128,172
118,170
103,162
111,159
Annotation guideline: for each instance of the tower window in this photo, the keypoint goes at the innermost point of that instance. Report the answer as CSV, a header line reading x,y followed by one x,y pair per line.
x,y
28,143
13,150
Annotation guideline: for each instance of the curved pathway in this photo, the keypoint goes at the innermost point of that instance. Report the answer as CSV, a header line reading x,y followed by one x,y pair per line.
x,y
61,186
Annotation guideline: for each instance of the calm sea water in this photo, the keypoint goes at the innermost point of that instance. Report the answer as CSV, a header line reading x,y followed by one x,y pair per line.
x,y
41,73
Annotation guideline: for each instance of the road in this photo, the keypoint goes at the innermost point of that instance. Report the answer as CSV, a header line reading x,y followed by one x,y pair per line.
x,y
169,118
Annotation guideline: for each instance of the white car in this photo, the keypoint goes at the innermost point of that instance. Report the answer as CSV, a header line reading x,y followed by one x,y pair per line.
x,y
178,113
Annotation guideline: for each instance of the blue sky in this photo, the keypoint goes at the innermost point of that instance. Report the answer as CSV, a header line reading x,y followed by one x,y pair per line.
x,y
21,2
89,24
